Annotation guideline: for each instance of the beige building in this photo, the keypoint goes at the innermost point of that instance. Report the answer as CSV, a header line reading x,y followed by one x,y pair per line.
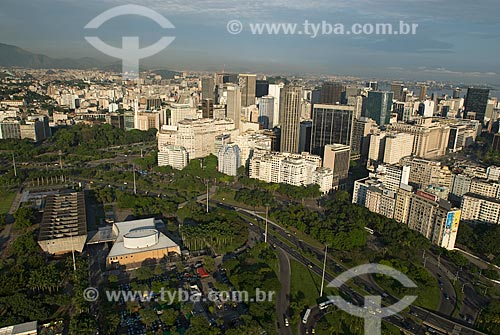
x,y
480,209
397,146
147,120
430,138
338,158
137,241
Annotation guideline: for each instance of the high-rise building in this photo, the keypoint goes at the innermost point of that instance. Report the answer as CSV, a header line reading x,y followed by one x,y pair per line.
x,y
207,108
423,92
397,146
431,138
478,209
397,89
331,93
174,156
247,83
261,88
294,169
198,136
305,136
331,124
434,218
179,112
476,102
378,106
233,106
290,118
208,88
360,141
275,92
266,111
337,157
229,159
373,85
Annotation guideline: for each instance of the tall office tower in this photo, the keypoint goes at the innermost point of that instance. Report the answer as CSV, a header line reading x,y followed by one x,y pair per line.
x,y
331,124
261,88
208,88
305,136
290,118
207,108
229,159
423,92
233,106
266,111
397,89
337,158
456,93
316,96
247,84
275,92
360,140
373,85
476,102
378,106
331,93
376,150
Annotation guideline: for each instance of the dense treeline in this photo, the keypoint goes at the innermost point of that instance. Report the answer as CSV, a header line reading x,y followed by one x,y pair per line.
x,y
220,230
253,270
341,225
481,238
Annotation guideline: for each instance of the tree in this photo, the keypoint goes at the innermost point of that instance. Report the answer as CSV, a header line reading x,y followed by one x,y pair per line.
x,y
169,317
144,273
24,217
148,315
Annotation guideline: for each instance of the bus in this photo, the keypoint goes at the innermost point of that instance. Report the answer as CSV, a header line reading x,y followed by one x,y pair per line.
x,y
306,316
325,304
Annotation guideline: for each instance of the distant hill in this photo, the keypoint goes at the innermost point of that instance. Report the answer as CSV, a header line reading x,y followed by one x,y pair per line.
x,y
11,55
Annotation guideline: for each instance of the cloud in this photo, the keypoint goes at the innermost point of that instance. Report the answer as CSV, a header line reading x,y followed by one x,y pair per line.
x,y
445,71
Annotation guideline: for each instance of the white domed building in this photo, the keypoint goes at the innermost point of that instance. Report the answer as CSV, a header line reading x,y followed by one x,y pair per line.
x,y
137,241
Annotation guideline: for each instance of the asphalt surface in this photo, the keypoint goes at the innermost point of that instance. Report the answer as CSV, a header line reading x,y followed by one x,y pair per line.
x,y
283,299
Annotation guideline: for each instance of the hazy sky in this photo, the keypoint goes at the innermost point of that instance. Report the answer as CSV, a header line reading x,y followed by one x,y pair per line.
x,y
456,39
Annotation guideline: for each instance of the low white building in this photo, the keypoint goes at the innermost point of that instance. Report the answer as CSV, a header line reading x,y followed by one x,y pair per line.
x,y
175,156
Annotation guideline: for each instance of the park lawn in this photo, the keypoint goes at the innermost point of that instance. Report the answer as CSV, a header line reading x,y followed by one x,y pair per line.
x,y
6,200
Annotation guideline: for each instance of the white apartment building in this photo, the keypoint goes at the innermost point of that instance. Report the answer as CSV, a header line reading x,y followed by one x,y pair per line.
x,y
174,156
229,159
287,168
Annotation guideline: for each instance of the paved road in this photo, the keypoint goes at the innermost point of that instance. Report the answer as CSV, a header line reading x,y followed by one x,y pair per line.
x,y
282,301
437,322
448,297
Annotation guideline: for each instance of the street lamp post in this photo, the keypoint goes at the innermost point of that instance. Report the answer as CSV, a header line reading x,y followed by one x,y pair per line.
x,y
265,233
324,270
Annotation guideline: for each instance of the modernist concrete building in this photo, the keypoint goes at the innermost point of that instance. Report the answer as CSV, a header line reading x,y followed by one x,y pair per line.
x,y
137,241
64,223
27,328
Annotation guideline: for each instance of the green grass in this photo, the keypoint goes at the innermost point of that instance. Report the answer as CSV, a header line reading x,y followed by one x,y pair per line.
x,y
6,200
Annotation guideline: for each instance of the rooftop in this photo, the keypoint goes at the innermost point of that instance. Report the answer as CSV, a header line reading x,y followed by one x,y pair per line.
x,y
137,228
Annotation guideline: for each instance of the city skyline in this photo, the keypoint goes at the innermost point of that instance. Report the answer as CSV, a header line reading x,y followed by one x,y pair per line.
x,y
461,51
